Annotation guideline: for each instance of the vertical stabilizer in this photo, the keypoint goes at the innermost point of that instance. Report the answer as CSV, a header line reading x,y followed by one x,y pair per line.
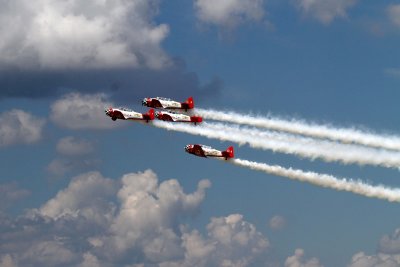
x,y
190,103
228,153
150,114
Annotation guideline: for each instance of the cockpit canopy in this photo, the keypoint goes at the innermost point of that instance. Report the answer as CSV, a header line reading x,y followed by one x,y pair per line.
x,y
125,109
163,98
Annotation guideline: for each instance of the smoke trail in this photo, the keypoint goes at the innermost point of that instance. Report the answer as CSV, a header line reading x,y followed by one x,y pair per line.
x,y
324,180
345,135
289,144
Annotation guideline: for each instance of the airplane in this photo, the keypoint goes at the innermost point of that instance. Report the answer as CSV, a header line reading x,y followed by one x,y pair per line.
x,y
128,114
206,151
166,103
175,117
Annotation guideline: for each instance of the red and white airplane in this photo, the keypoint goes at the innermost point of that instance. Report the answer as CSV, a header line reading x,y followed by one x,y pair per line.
x,y
166,103
175,117
206,151
128,114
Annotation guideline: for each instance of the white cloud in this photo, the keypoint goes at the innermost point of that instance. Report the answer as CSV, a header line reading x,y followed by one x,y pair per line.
x,y
18,126
229,13
72,146
380,260
197,249
132,221
82,111
325,11
277,222
230,242
388,254
394,14
237,241
95,34
87,196
297,260
149,212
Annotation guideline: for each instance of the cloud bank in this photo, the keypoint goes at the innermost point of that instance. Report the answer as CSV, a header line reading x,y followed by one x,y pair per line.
x,y
50,48
132,221
71,34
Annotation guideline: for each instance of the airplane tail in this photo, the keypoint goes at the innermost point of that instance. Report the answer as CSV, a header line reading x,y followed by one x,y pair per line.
x,y
229,153
150,114
190,102
196,119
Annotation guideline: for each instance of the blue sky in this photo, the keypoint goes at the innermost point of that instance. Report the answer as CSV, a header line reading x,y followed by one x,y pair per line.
x,y
78,189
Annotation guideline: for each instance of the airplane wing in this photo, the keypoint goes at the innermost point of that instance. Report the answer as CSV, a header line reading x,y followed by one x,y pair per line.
x,y
198,150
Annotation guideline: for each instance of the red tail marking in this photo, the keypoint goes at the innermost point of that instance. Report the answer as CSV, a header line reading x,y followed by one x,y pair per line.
x,y
190,102
230,152
196,119
150,113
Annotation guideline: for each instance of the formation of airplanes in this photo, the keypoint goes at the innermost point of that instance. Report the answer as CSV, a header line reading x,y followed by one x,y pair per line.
x,y
165,114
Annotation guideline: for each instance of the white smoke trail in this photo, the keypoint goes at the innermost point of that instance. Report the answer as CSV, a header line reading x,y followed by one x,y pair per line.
x,y
289,144
324,180
345,135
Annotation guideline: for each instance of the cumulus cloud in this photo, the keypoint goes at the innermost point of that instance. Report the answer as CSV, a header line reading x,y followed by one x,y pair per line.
x,y
236,241
149,214
379,260
71,34
325,11
231,241
229,13
394,14
132,221
297,260
115,47
81,196
277,222
72,146
81,111
388,254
